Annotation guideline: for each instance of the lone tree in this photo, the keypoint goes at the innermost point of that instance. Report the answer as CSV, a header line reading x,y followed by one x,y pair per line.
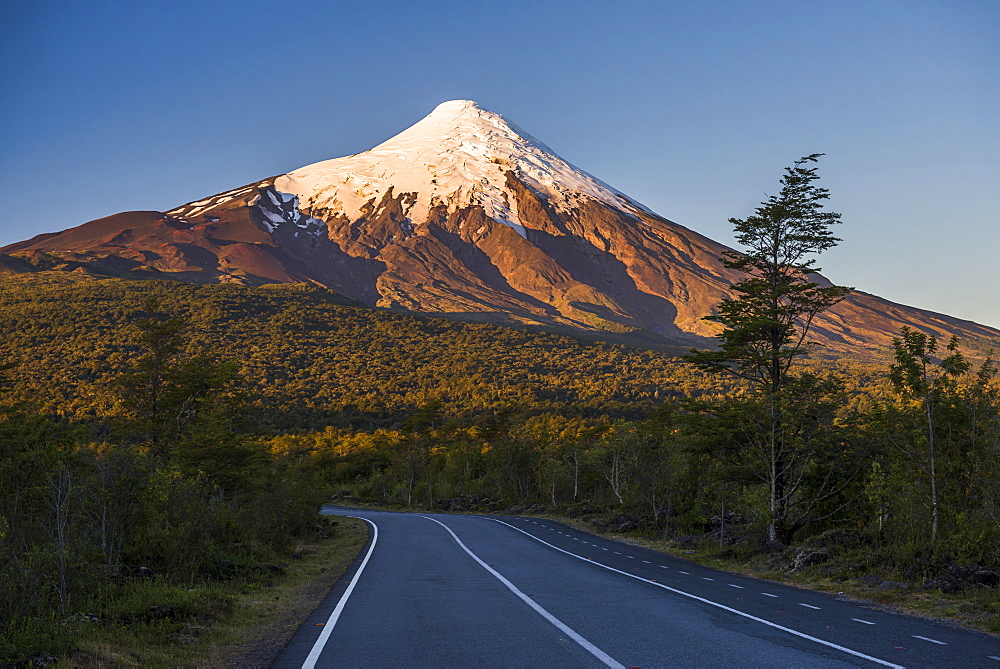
x,y
764,327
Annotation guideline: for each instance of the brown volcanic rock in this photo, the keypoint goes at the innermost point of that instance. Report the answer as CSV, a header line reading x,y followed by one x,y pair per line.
x,y
220,242
463,214
107,231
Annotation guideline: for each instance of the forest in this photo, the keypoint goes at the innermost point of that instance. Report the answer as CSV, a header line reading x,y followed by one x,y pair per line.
x,y
153,431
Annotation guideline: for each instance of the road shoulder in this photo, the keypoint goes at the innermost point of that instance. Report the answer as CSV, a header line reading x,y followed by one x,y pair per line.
x,y
274,622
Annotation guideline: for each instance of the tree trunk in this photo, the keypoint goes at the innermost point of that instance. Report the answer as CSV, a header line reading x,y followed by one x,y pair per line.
x,y
722,520
614,476
576,475
777,529
62,487
669,515
933,472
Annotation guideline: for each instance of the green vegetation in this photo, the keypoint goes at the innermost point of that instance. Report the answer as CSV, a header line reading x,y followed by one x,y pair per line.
x,y
139,528
234,622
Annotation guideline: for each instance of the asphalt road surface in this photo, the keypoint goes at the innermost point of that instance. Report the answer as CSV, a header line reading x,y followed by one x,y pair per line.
x,y
433,590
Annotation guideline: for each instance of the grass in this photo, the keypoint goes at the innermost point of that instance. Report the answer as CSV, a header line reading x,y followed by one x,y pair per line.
x,y
244,621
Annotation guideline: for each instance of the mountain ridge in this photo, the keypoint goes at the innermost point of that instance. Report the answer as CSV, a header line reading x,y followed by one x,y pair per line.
x,y
464,214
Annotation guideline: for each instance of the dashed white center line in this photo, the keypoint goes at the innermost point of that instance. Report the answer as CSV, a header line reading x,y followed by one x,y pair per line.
x,y
684,572
994,657
617,553
647,562
940,643
768,594
809,606
859,620
664,567
630,557
733,585
604,549
718,605
706,578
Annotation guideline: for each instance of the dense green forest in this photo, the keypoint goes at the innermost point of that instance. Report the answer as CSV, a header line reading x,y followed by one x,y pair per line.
x,y
310,358
174,432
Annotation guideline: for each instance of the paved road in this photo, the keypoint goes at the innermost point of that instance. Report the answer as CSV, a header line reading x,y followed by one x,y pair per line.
x,y
462,591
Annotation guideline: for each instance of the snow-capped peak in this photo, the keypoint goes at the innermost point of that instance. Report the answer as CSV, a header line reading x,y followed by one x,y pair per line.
x,y
458,155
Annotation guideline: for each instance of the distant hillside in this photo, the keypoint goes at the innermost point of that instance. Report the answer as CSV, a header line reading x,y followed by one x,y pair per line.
x,y
311,357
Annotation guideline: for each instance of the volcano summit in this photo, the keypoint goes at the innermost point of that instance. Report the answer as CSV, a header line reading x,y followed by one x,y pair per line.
x,y
464,214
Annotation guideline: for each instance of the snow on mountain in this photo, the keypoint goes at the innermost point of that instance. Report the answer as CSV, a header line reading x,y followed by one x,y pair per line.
x,y
458,155
195,209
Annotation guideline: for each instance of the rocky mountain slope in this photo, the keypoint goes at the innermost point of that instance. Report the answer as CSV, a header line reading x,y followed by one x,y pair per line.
x,y
463,214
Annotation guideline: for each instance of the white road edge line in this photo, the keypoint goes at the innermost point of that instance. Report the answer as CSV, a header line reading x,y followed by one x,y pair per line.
x,y
940,643
586,645
331,622
709,601
859,620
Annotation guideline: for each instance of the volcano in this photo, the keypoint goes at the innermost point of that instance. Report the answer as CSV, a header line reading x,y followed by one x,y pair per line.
x,y
462,214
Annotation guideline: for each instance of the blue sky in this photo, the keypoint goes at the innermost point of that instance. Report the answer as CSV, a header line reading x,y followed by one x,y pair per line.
x,y
692,108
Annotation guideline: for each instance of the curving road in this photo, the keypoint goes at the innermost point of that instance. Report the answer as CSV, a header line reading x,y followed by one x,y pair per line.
x,y
460,591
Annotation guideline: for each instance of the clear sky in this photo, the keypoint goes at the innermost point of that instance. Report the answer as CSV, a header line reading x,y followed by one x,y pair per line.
x,y
693,108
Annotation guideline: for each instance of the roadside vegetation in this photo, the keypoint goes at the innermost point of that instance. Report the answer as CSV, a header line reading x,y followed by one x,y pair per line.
x,y
241,621
129,539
